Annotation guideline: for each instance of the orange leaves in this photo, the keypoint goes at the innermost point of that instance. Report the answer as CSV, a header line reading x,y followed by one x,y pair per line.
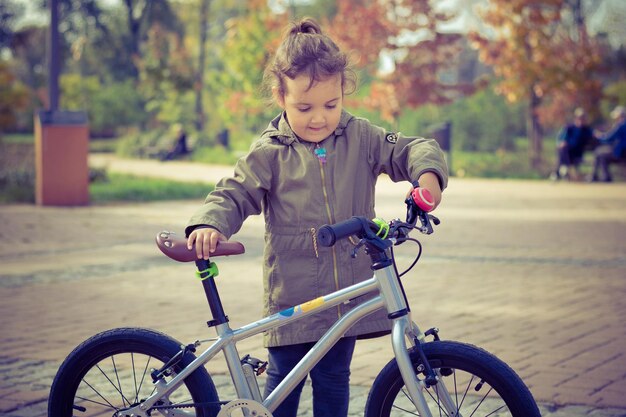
x,y
533,50
383,97
405,33
360,27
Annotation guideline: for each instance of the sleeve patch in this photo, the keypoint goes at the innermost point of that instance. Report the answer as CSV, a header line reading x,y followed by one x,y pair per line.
x,y
391,138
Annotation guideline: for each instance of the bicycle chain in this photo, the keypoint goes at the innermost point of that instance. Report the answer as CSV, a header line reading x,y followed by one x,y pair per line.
x,y
168,407
172,406
192,405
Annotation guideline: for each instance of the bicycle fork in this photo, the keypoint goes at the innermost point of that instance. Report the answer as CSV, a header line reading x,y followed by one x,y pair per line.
x,y
404,329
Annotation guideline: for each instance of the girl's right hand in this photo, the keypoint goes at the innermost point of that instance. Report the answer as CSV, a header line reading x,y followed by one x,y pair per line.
x,y
205,240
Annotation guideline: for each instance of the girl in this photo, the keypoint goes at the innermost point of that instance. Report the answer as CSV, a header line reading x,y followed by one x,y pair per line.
x,y
315,164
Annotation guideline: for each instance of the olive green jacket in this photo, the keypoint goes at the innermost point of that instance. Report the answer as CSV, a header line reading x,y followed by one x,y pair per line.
x,y
297,192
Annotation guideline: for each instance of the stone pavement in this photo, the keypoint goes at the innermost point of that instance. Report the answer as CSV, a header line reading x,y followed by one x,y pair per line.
x,y
534,272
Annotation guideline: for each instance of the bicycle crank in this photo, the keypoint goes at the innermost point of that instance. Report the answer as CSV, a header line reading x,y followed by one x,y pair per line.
x,y
239,407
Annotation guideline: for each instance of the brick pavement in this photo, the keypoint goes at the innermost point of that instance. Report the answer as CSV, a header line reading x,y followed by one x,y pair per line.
x,y
532,271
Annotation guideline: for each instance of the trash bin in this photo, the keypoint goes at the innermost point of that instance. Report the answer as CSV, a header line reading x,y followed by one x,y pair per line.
x,y
61,151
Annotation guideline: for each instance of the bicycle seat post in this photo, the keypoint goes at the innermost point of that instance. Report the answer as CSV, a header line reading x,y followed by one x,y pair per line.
x,y
207,272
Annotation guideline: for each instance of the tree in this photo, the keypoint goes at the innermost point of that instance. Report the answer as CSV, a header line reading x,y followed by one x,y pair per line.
x,y
10,11
406,35
142,15
166,77
541,52
199,79
251,38
13,97
106,38
28,52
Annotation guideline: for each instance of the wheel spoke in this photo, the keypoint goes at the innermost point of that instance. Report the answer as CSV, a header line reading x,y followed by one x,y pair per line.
x,y
456,391
402,409
112,383
99,395
119,384
107,404
143,376
496,410
132,362
438,401
483,400
469,384
439,407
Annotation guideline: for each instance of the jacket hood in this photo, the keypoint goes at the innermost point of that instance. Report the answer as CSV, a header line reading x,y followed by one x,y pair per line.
x,y
280,130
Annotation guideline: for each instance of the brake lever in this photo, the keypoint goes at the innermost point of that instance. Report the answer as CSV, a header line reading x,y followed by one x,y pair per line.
x,y
356,248
411,211
426,227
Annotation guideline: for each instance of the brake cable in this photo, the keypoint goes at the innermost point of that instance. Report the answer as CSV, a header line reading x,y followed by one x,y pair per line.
x,y
417,258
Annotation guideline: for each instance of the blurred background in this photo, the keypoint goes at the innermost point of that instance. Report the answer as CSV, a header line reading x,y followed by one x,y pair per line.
x,y
493,80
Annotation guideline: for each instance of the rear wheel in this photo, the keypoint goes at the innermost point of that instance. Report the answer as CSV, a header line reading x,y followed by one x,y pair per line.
x,y
479,385
110,372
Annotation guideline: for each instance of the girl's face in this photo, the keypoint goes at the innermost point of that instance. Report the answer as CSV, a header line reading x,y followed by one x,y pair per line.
x,y
313,113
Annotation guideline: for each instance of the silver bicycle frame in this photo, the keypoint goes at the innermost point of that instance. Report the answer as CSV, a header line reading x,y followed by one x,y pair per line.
x,y
390,296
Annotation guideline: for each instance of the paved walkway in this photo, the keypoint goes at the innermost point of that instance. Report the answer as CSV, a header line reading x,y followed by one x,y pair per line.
x,y
532,271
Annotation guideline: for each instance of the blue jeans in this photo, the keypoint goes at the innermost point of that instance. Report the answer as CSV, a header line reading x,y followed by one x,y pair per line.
x,y
330,378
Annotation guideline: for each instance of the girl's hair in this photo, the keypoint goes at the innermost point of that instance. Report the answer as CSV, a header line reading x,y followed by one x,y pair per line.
x,y
306,50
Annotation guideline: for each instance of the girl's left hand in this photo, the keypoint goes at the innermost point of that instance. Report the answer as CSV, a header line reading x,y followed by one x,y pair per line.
x,y
430,181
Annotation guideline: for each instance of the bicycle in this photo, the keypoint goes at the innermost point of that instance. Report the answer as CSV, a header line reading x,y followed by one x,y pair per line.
x,y
128,372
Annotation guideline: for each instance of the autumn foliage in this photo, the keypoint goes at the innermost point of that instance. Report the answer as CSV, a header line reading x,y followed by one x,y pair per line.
x,y
543,56
405,33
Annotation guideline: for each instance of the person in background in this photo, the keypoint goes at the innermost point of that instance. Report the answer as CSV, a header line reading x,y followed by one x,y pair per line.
x,y
571,144
612,147
179,147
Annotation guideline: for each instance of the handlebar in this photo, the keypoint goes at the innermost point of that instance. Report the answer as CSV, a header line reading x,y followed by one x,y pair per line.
x,y
377,230
329,234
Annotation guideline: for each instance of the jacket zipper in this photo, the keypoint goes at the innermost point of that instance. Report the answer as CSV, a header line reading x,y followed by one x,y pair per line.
x,y
330,219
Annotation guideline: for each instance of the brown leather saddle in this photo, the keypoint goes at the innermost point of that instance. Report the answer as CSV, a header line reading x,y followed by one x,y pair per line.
x,y
175,247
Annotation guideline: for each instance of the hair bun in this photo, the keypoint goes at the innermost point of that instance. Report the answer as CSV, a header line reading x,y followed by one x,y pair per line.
x,y
307,25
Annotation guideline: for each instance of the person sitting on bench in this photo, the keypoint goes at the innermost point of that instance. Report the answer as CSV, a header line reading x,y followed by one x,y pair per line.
x,y
572,142
180,146
612,146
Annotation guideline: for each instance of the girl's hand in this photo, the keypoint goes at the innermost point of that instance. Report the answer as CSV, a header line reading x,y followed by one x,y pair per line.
x,y
430,181
205,240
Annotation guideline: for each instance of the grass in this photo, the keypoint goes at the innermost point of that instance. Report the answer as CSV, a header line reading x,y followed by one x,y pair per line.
x,y
95,144
115,188
21,138
497,164
120,187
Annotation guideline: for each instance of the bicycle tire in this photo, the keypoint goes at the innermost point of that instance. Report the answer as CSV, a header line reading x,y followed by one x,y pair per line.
x,y
480,385
111,371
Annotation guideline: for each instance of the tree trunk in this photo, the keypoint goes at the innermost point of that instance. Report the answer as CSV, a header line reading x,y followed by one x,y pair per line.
x,y
535,131
134,28
199,84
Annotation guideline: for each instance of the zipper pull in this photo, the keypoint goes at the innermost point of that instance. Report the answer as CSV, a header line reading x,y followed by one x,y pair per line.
x,y
320,153
314,236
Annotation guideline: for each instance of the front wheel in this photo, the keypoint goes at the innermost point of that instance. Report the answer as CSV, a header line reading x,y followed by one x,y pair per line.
x,y
110,372
479,384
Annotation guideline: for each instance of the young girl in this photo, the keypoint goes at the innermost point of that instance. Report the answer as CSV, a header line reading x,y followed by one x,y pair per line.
x,y
315,164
